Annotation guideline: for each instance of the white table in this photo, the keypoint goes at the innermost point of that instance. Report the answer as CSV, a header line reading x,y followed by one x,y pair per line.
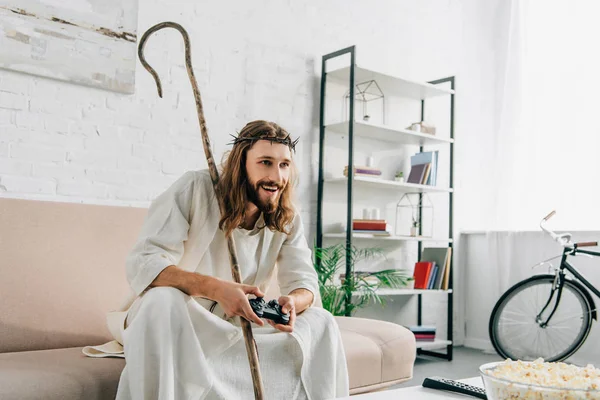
x,y
418,393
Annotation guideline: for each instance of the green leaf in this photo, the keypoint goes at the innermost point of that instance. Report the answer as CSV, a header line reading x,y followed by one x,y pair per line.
x,y
355,292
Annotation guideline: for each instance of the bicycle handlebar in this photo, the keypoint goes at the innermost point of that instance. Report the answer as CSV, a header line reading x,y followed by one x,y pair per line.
x,y
587,244
547,217
564,239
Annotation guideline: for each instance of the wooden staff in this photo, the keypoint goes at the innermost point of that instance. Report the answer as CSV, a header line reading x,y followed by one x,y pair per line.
x,y
214,175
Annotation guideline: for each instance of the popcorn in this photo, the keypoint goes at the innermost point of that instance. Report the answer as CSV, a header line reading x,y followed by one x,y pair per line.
x,y
560,381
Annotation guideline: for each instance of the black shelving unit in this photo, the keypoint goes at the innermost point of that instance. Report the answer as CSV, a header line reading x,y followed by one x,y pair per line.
x,y
350,181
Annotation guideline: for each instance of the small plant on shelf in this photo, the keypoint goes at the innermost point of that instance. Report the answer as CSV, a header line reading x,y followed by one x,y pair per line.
x,y
359,289
415,227
399,177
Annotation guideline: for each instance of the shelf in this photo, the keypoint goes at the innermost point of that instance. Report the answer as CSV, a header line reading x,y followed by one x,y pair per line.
x,y
388,134
368,236
402,292
390,84
360,181
403,93
434,344
409,292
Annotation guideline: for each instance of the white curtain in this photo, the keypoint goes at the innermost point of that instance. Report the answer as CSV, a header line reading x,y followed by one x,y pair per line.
x,y
546,153
547,136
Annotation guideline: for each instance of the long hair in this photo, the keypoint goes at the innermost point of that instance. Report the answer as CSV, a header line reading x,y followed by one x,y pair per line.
x,y
233,183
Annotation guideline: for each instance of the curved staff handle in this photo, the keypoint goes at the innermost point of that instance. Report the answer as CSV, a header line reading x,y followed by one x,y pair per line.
x,y
214,176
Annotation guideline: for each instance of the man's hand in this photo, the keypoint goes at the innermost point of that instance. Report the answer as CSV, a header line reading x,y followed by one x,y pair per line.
x,y
232,297
288,306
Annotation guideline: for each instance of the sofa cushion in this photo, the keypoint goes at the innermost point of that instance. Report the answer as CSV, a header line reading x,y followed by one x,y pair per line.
x,y
61,374
63,269
378,353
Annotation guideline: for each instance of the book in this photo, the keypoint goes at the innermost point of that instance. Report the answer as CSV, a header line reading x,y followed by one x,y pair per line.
x,y
432,275
357,273
372,232
416,173
421,274
366,276
425,338
421,328
424,158
363,175
366,172
426,174
369,280
446,280
370,225
358,170
363,168
441,257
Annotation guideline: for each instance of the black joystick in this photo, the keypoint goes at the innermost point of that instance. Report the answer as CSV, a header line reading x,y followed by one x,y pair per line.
x,y
270,310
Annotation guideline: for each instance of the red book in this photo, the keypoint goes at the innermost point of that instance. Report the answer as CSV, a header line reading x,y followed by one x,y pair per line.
x,y
421,274
424,336
369,225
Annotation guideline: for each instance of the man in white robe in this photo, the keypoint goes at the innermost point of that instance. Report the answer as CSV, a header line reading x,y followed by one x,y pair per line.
x,y
181,339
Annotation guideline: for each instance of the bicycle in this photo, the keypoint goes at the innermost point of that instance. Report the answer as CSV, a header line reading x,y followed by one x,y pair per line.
x,y
546,316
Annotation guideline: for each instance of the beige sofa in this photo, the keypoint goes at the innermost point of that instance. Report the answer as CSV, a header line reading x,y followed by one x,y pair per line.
x,y
62,269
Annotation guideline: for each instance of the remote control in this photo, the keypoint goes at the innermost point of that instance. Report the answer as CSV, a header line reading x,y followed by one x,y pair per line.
x,y
436,382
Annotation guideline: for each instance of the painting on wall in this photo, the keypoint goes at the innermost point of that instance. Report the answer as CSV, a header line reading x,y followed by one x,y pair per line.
x,y
88,42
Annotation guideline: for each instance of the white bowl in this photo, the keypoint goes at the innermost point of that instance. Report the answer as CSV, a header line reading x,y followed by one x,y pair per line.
x,y
504,389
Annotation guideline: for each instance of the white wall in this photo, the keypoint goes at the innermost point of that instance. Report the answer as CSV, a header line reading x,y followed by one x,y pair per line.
x,y
262,59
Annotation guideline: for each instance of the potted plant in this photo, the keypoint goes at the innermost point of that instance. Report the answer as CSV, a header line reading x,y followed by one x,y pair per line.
x,y
399,177
415,227
357,290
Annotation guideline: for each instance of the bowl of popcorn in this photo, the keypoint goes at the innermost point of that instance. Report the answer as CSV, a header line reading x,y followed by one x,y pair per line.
x,y
540,380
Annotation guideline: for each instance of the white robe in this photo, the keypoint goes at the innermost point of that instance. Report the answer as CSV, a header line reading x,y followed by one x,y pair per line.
x,y
196,354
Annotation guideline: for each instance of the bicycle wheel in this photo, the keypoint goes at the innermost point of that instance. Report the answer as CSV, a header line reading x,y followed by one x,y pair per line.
x,y
517,335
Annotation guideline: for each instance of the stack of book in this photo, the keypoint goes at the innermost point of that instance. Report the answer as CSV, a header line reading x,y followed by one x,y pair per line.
x,y
378,227
366,276
423,168
368,172
433,270
423,333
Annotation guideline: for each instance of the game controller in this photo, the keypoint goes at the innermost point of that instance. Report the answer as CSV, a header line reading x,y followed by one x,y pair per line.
x,y
270,310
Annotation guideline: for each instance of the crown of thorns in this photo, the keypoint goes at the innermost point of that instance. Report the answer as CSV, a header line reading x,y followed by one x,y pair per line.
x,y
286,140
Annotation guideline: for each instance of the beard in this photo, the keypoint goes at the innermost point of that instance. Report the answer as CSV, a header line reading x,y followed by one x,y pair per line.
x,y
268,205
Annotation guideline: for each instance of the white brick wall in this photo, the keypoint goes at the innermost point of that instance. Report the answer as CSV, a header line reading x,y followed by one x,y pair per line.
x,y
258,60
